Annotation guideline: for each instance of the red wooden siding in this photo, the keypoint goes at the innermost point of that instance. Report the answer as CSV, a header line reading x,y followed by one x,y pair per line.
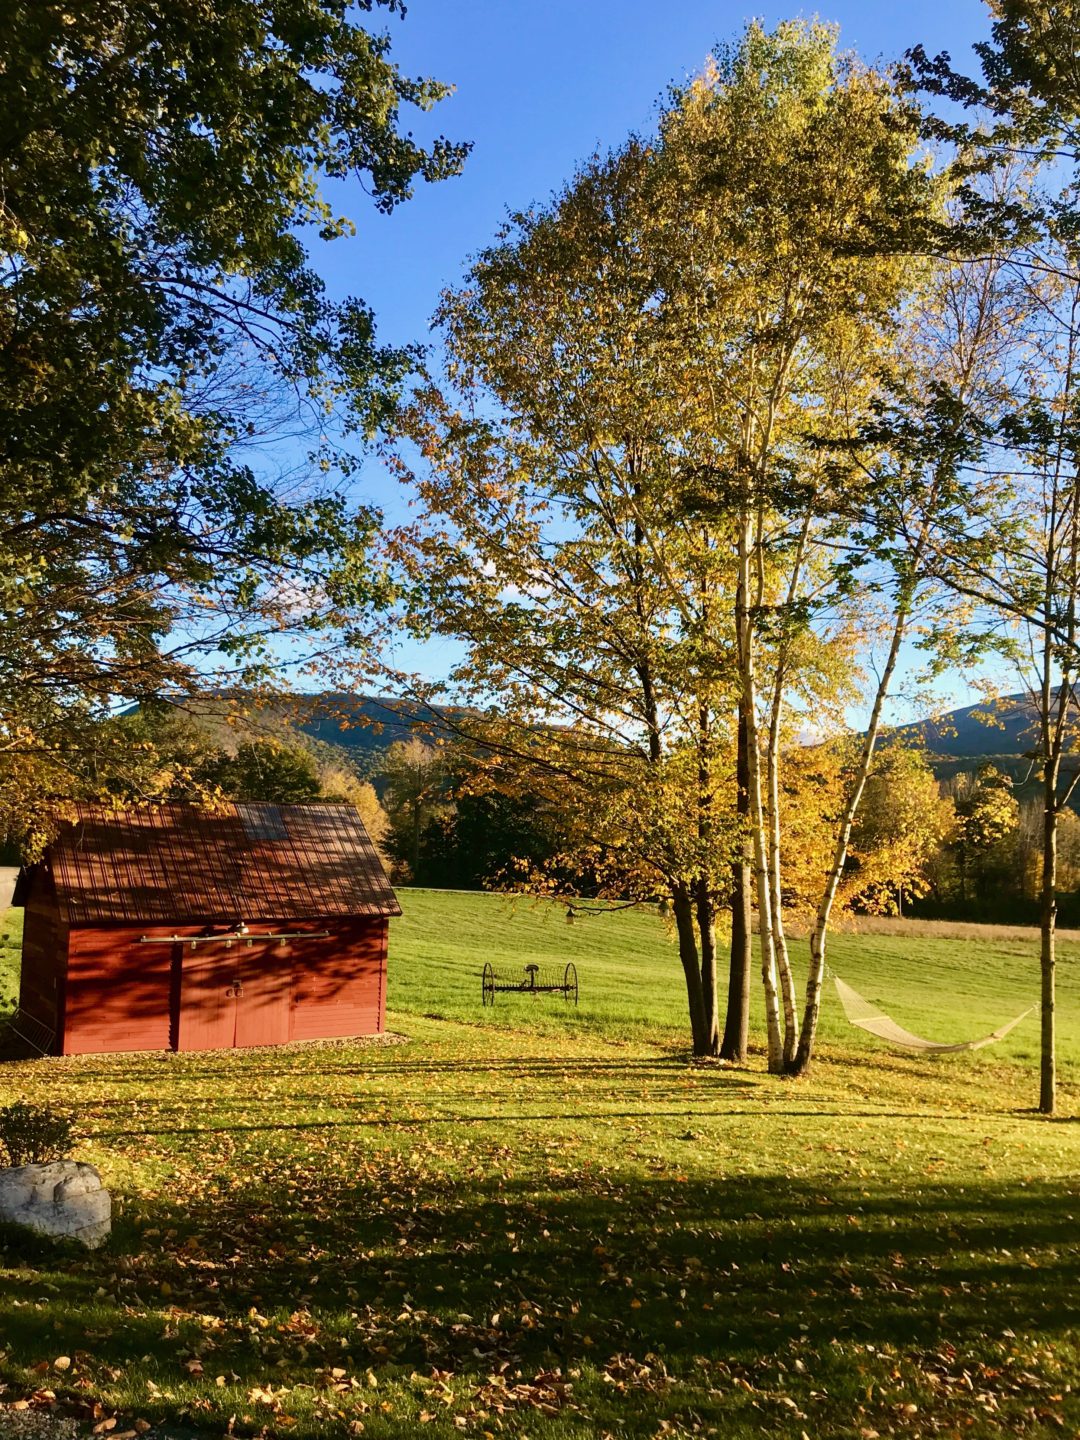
x,y
117,995
339,982
123,995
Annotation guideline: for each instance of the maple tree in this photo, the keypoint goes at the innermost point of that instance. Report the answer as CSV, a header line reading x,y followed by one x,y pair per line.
x,y
554,540
987,817
163,331
903,821
896,842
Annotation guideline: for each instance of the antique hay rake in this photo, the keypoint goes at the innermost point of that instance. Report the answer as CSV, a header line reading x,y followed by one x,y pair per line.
x,y
536,981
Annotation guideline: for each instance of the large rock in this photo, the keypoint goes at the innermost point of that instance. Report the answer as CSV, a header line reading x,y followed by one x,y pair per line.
x,y
64,1198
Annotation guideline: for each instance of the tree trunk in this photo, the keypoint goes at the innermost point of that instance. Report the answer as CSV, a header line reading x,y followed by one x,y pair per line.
x,y
740,967
1047,947
783,963
772,774
819,934
745,630
703,894
706,922
702,1028
1054,705
1054,713
688,954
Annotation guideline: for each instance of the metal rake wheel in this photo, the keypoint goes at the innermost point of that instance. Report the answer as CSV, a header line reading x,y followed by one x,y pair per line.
x,y
488,985
570,985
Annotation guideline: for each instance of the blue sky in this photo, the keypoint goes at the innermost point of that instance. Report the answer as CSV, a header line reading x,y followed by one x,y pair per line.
x,y
541,84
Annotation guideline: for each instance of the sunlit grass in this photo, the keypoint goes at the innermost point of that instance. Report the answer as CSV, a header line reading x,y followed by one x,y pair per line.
x,y
941,986
10,942
549,1224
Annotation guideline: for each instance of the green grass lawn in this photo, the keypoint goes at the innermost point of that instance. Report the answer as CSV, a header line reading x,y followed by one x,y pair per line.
x,y
539,1223
10,940
631,985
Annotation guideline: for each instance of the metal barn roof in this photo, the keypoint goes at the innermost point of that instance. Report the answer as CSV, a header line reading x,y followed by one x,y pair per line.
x,y
180,863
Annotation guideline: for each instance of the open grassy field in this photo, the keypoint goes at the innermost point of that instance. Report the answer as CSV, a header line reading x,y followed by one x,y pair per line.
x,y
539,1223
935,985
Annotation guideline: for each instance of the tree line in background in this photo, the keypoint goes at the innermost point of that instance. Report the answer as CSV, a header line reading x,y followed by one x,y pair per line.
x,y
173,755
765,406
442,817
920,846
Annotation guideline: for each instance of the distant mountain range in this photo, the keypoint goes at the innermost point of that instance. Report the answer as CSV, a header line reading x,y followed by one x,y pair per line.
x,y
332,725
365,725
1001,732
1006,726
998,730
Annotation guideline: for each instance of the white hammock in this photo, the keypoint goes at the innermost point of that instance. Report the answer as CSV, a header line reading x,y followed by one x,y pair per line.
x,y
870,1017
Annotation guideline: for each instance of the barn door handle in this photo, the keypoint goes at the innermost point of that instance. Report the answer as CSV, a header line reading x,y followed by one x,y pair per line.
x,y
235,990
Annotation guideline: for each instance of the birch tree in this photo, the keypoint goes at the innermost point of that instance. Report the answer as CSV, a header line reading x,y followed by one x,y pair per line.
x,y
846,386
910,478
1014,551
792,174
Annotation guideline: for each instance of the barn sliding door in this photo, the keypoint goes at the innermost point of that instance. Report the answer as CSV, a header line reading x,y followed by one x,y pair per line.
x,y
262,1009
234,998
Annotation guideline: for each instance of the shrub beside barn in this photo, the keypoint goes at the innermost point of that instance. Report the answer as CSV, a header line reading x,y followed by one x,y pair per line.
x,y
177,928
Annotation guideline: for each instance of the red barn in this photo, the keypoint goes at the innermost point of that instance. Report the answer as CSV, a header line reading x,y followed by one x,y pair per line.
x,y
176,928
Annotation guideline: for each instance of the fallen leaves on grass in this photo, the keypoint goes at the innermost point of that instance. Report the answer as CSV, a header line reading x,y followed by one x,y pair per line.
x,y
318,1244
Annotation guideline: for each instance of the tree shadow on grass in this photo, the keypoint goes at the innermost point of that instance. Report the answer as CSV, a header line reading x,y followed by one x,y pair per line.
x,y
404,1268
288,1063
397,1119
259,1069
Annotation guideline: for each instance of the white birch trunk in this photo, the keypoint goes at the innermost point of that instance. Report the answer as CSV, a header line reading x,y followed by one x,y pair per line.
x,y
819,934
759,844
783,961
